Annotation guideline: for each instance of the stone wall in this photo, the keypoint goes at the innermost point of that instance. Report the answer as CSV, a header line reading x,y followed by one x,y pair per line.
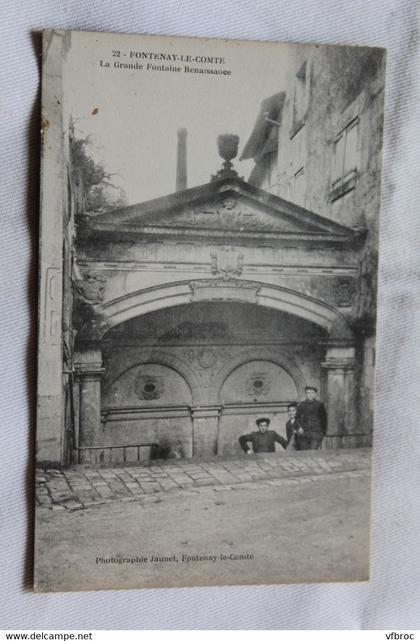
x,y
51,394
341,84
334,105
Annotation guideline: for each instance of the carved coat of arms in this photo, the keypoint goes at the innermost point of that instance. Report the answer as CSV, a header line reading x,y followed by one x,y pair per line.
x,y
226,263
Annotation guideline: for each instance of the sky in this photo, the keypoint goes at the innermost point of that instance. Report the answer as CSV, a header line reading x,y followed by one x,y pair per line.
x,y
132,116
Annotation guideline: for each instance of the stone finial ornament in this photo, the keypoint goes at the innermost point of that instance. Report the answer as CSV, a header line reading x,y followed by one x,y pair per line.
x,y
227,145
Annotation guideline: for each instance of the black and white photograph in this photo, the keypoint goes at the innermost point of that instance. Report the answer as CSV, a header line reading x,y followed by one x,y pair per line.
x,y
210,216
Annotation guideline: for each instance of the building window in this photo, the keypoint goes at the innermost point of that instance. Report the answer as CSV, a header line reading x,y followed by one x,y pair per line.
x,y
300,99
345,160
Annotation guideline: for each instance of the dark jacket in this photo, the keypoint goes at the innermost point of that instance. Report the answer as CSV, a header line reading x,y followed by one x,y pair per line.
x,y
312,417
262,442
290,428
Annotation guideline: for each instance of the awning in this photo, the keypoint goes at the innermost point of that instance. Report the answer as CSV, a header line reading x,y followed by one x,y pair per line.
x,y
264,136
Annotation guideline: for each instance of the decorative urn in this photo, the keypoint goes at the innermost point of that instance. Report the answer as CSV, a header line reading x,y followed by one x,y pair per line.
x,y
228,149
228,146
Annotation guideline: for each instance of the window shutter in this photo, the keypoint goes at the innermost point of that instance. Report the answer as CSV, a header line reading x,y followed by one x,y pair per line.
x,y
351,154
338,161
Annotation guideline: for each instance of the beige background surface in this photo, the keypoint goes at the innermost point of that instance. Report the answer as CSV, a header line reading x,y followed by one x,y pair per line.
x,y
391,599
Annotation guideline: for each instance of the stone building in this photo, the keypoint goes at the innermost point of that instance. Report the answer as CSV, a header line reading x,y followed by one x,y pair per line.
x,y
318,143
197,312
206,308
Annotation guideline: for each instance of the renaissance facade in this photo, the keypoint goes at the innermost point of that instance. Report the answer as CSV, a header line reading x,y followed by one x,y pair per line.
x,y
188,316
201,310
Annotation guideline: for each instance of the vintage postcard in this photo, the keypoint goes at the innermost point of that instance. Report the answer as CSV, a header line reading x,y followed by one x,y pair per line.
x,y
208,258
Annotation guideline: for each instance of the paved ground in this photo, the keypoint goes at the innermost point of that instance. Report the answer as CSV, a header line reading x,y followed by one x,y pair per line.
x,y
276,518
81,487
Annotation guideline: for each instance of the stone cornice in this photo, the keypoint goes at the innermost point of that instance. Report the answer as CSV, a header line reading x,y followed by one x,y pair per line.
x,y
338,363
91,371
112,232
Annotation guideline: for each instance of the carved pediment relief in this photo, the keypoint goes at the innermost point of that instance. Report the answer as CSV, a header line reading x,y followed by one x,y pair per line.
x,y
230,214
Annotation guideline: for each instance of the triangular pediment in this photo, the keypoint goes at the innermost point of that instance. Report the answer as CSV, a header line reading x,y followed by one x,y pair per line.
x,y
231,206
229,212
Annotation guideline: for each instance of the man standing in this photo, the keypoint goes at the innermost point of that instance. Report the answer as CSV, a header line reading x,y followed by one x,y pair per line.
x,y
263,440
312,417
293,429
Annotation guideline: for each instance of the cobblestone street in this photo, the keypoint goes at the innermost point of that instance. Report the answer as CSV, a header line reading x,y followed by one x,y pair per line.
x,y
80,487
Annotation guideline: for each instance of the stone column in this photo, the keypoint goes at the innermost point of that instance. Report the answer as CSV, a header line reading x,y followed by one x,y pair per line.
x,y
205,428
339,366
89,372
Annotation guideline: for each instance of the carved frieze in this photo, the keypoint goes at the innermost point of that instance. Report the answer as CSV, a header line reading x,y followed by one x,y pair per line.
x,y
230,214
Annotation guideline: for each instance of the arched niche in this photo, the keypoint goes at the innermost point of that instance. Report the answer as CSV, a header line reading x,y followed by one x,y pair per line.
x,y
148,385
252,389
149,403
258,381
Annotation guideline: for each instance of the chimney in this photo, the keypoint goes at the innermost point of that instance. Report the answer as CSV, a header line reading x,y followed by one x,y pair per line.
x,y
181,160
